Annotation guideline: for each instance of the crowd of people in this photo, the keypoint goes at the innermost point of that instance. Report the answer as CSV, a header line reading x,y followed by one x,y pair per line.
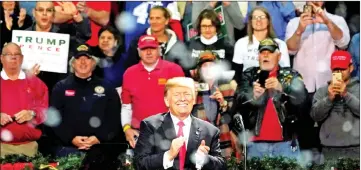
x,y
289,86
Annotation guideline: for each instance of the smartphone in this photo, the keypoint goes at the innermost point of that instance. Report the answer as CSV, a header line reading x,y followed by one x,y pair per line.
x,y
307,9
336,76
262,77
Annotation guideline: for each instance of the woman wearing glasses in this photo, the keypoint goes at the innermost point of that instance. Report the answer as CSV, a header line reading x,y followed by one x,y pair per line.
x,y
210,38
259,28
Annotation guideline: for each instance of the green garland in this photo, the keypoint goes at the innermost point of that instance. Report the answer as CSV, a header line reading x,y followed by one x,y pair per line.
x,y
69,162
267,163
283,163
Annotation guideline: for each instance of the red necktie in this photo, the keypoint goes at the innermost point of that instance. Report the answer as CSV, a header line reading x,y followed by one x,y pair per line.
x,y
182,152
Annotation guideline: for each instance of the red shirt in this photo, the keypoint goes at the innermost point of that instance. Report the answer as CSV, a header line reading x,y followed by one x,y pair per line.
x,y
271,129
97,6
145,90
23,94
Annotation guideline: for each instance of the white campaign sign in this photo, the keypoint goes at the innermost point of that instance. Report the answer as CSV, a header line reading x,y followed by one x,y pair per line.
x,y
50,50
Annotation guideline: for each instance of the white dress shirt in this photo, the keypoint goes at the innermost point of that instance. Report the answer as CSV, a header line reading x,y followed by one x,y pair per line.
x,y
247,54
186,130
313,58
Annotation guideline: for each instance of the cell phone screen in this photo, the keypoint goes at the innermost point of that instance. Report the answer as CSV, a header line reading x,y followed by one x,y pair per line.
x,y
262,77
307,9
336,76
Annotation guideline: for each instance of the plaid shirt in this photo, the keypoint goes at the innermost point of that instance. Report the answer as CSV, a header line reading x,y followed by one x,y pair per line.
x,y
221,115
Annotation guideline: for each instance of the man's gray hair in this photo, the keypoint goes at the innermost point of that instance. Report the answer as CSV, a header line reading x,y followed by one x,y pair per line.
x,y
6,45
71,69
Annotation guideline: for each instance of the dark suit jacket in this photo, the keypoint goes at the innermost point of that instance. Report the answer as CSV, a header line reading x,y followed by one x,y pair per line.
x,y
157,133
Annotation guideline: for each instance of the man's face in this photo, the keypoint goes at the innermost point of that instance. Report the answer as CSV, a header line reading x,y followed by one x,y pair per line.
x,y
180,101
157,20
208,30
208,70
44,14
268,60
83,65
11,58
346,73
149,56
106,41
316,3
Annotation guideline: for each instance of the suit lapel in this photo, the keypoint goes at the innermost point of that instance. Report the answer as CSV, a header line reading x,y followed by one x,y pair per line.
x,y
193,140
168,127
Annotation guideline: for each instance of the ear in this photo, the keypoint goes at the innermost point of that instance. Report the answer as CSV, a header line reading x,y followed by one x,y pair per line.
x,y
351,68
279,56
166,101
167,21
34,11
115,43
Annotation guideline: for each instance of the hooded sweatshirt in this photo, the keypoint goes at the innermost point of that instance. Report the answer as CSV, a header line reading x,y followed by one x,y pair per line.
x,y
340,119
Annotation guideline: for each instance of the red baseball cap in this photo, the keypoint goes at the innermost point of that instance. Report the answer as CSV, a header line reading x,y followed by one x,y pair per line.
x,y
148,41
340,59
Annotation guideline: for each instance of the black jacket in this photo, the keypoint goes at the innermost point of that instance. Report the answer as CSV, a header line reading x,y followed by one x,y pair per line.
x,y
86,107
289,104
156,135
6,34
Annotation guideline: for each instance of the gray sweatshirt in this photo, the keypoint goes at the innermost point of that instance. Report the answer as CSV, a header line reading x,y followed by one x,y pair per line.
x,y
232,17
341,126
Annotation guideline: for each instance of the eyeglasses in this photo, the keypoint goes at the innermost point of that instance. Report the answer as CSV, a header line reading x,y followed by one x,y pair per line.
x,y
11,55
42,10
259,17
207,26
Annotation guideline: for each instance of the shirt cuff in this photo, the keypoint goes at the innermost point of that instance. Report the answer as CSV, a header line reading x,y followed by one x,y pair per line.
x,y
200,159
166,162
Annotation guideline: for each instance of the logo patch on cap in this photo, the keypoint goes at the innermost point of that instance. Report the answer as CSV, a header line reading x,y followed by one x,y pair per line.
x,y
82,48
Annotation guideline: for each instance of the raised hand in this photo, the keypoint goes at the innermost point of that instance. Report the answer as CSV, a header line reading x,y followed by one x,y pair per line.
x,y
22,16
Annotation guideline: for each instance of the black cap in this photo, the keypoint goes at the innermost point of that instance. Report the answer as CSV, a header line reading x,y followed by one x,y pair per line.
x,y
82,50
268,44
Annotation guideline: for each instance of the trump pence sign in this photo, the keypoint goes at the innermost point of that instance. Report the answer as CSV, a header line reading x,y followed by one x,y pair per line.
x,y
50,50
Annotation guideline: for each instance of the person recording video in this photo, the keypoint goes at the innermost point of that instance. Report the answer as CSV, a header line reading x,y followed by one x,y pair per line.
x,y
337,106
270,99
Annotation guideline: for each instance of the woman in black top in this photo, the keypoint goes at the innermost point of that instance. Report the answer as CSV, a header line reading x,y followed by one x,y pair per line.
x,y
12,18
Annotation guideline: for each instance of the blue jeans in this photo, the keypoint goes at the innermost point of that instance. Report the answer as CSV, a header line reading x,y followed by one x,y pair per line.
x,y
263,149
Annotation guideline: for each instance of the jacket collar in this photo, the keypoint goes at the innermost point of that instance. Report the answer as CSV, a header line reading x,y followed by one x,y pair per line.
x,y
172,38
54,28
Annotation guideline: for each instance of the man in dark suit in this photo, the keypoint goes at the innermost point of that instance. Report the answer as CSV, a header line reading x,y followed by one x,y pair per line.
x,y
175,139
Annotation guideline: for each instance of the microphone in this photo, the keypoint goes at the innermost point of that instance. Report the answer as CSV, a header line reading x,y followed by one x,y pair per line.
x,y
239,124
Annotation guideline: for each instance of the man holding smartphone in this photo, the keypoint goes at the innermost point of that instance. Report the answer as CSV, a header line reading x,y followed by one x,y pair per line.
x,y
337,106
312,38
270,111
